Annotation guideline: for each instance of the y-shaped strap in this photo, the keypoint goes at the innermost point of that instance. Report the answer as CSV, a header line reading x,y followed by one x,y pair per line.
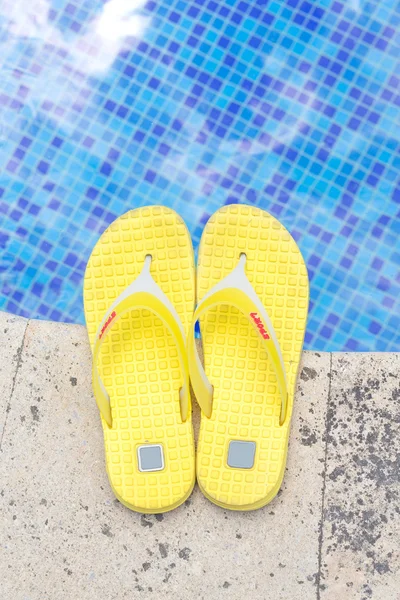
x,y
236,290
142,293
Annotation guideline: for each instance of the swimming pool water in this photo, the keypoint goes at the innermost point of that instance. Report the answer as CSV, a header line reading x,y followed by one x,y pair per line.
x,y
290,106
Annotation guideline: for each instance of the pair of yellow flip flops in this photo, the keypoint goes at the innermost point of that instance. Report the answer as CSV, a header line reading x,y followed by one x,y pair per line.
x,y
252,302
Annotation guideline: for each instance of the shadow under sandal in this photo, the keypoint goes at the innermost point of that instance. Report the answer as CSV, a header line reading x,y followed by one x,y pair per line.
x,y
252,288
139,300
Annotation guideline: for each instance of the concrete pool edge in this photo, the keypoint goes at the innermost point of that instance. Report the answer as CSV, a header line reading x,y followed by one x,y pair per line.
x,y
330,532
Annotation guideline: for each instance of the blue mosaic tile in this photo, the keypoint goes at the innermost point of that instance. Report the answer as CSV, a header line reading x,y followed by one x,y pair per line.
x,y
292,106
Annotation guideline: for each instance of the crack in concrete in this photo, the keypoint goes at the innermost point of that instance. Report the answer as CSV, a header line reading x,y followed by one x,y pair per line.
x,y
321,523
19,361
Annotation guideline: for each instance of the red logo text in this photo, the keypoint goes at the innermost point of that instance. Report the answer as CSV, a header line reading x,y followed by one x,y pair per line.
x,y
106,324
260,325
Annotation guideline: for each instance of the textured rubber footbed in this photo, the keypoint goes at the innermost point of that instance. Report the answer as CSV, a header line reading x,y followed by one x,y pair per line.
x,y
246,401
139,361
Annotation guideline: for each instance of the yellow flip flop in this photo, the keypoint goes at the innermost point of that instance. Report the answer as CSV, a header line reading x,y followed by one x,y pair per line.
x,y
139,298
252,289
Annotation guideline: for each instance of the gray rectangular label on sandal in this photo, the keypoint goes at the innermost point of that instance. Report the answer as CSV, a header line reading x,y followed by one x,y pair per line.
x,y
241,454
150,457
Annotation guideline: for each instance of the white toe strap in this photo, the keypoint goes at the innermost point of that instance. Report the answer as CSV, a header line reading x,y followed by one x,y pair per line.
x,y
236,290
141,293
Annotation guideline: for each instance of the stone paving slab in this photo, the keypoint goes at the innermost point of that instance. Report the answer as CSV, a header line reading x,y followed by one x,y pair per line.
x,y
332,532
12,330
361,536
63,534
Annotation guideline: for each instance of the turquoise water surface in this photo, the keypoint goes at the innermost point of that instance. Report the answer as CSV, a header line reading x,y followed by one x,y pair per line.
x,y
290,106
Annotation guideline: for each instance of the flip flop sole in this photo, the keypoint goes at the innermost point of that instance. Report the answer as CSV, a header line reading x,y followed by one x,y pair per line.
x,y
139,362
246,399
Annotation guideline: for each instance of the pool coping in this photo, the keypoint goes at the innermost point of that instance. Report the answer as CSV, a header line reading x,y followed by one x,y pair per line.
x,y
332,526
